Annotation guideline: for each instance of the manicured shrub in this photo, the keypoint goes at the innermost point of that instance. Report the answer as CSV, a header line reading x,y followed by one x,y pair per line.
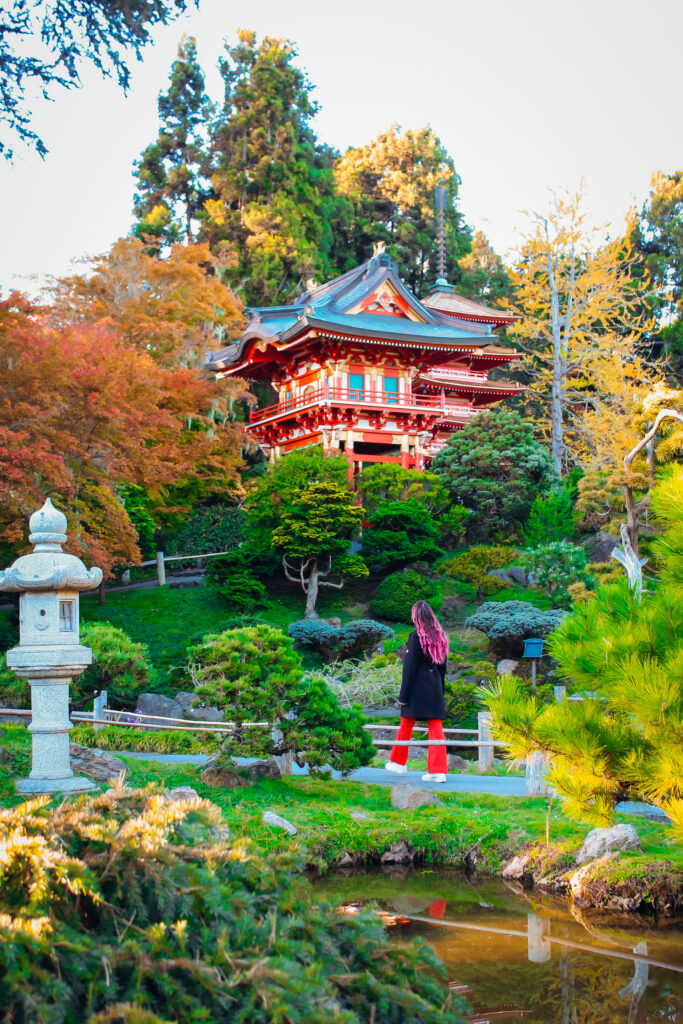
x,y
119,665
347,641
462,704
397,594
253,675
473,566
551,519
399,532
511,622
234,578
127,907
557,566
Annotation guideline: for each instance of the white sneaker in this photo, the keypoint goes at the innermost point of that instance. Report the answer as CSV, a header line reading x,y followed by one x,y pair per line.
x,y
398,769
438,777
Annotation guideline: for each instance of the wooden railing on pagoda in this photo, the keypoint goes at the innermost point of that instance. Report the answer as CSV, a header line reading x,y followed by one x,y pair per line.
x,y
357,397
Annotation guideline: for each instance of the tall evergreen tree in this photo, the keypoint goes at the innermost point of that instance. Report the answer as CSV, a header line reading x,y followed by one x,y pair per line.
x,y
270,177
390,185
171,189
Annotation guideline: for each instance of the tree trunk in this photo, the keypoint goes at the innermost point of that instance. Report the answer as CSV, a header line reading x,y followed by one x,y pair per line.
x,y
312,591
556,439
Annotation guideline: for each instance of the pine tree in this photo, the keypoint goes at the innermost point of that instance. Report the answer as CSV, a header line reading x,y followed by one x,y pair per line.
x,y
171,188
390,186
623,740
271,178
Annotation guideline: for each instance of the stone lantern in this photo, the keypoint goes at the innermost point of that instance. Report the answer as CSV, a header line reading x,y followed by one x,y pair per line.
x,y
49,654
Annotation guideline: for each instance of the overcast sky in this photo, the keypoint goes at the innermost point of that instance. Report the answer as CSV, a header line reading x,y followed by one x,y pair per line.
x,y
525,94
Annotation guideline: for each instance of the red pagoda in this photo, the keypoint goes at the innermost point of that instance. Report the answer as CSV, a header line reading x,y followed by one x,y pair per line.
x,y
361,366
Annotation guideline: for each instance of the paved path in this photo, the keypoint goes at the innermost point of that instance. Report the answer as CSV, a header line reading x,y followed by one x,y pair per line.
x,y
494,785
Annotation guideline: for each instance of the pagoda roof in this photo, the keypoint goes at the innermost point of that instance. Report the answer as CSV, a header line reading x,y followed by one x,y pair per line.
x,y
447,383
368,303
447,301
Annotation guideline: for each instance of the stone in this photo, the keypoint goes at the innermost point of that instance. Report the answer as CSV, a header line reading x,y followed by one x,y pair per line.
x,y
457,763
269,818
506,667
200,714
217,775
157,704
604,545
500,574
398,853
515,868
600,841
183,793
335,622
405,796
5,755
262,770
518,575
96,764
579,880
360,816
347,861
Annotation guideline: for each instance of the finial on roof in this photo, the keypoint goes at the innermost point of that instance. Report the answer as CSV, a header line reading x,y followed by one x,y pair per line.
x,y
440,203
47,525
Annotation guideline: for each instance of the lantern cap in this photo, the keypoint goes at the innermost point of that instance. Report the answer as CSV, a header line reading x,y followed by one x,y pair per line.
x,y
47,525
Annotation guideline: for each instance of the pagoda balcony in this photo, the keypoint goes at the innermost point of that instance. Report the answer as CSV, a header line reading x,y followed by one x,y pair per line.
x,y
362,399
450,373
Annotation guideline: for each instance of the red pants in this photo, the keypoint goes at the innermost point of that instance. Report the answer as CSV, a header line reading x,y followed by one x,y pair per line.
x,y
437,761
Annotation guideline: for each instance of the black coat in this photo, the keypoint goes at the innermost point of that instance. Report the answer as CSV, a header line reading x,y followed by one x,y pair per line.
x,y
422,686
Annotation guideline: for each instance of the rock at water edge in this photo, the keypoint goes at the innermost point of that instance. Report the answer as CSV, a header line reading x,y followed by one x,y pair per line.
x,y
600,841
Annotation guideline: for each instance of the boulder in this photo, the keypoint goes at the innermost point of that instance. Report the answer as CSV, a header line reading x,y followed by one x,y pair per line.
x,y
518,575
262,770
457,764
405,796
183,793
516,867
5,755
578,882
269,818
335,622
156,704
200,714
507,666
500,574
600,841
217,775
360,816
604,545
398,853
96,764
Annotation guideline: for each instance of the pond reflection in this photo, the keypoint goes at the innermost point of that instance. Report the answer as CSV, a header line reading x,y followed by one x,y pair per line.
x,y
518,956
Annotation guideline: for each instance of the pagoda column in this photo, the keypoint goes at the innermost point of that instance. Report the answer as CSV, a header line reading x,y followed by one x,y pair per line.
x,y
348,451
405,452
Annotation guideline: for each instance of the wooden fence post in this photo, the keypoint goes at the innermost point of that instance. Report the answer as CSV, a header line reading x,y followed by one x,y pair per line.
x,y
538,941
537,765
484,736
99,709
161,569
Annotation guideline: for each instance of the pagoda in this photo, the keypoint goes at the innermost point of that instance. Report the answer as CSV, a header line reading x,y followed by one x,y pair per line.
x,y
364,368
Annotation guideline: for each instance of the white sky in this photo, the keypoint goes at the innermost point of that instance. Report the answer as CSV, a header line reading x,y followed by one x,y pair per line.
x,y
525,94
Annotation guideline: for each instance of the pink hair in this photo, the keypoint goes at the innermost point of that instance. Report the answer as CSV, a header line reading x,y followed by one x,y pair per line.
x,y
433,640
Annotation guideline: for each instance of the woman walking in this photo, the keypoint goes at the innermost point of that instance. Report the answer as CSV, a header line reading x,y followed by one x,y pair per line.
x,y
422,692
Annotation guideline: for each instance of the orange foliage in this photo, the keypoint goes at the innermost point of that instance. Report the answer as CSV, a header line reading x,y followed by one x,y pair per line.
x,y
82,411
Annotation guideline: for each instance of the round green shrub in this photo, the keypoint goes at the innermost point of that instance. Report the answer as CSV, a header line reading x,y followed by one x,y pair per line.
x,y
119,665
254,675
349,641
397,594
462,704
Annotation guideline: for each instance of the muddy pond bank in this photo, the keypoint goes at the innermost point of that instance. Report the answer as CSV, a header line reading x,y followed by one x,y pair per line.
x,y
524,955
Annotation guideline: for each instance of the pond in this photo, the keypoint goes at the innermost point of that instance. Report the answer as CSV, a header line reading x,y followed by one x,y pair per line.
x,y
521,956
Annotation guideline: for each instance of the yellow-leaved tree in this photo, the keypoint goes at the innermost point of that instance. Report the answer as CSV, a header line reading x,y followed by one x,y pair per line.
x,y
580,299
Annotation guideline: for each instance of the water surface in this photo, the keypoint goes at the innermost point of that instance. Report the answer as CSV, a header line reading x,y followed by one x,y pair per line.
x,y
520,956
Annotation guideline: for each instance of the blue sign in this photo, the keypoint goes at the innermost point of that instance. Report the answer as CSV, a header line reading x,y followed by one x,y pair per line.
x,y
533,648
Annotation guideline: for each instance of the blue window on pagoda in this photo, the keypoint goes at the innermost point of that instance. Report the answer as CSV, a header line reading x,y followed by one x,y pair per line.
x,y
356,383
391,390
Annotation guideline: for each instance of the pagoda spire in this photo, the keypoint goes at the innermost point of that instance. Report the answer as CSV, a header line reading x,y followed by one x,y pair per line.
x,y
440,197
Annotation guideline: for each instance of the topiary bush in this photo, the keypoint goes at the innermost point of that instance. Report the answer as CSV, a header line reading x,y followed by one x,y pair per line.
x,y
347,641
473,566
234,578
129,907
120,666
508,623
253,675
399,532
397,594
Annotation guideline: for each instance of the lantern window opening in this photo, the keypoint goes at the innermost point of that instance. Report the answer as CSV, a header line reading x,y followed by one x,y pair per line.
x,y
66,616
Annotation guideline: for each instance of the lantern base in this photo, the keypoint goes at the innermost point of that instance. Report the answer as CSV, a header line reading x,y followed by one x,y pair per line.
x,y
71,784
